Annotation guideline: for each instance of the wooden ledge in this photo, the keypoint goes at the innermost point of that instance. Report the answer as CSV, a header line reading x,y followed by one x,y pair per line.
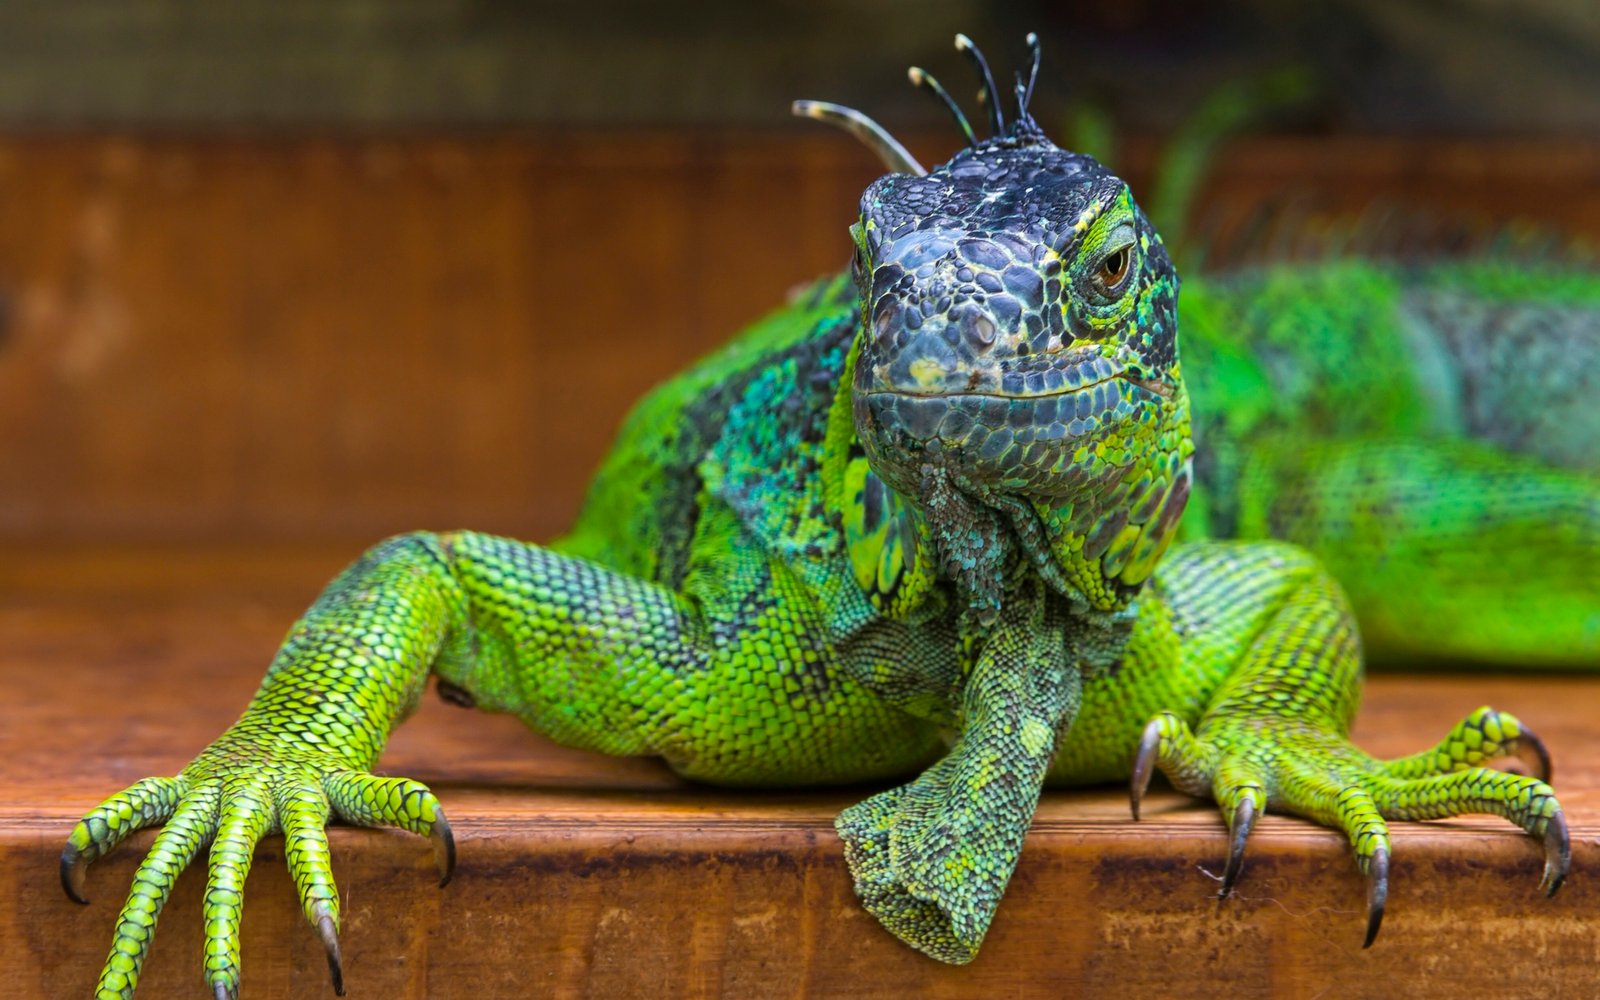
x,y
585,875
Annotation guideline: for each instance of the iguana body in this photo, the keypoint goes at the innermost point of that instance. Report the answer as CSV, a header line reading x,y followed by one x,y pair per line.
x,y
1428,431
911,522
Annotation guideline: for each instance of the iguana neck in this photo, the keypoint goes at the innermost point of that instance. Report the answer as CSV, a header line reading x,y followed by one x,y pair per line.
x,y
1107,542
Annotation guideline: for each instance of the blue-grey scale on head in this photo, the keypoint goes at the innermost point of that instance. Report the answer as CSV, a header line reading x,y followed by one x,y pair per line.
x,y
1019,354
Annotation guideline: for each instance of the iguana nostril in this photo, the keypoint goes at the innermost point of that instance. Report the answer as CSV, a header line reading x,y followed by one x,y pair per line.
x,y
980,329
885,321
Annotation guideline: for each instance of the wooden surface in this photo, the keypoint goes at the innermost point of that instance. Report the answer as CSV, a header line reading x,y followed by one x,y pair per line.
x,y
299,337
581,875
228,364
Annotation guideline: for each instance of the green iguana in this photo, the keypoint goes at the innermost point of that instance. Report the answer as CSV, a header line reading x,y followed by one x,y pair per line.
x,y
916,523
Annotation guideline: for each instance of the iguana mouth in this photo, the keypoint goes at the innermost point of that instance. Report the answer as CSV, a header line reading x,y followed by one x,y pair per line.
x,y
1155,385
1152,385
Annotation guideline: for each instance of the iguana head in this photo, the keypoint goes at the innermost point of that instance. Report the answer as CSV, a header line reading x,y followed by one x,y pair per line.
x,y
1018,345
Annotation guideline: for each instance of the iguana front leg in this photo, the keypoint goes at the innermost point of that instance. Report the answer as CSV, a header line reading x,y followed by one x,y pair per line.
x,y
590,657
931,858
1275,734
350,670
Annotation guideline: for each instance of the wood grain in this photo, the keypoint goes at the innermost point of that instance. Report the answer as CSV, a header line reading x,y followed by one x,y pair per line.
x,y
228,364
582,875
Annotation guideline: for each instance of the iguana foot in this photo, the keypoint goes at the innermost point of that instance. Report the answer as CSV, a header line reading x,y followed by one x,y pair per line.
x,y
216,801
1247,764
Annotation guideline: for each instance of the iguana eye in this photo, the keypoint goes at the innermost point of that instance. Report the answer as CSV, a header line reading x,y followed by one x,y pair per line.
x,y
1112,274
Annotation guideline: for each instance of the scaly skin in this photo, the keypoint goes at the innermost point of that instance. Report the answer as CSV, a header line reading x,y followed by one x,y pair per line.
x,y
928,498
1428,431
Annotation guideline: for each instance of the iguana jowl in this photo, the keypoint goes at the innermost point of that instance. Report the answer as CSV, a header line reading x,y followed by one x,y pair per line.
x,y
914,522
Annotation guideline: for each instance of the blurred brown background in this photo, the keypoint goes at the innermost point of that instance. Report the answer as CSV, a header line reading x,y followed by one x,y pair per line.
x,y
324,272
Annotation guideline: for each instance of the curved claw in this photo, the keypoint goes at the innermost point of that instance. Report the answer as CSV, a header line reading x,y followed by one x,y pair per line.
x,y
330,943
444,848
1377,893
147,802
1532,752
1143,764
1244,820
74,870
1557,854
